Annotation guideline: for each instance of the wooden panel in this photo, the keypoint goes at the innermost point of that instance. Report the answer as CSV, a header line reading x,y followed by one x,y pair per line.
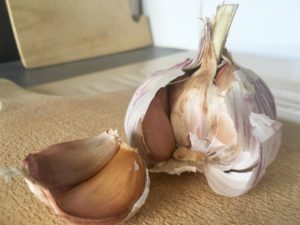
x,y
52,32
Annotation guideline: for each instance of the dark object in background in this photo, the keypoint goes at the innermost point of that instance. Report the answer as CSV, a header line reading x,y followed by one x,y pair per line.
x,y
8,48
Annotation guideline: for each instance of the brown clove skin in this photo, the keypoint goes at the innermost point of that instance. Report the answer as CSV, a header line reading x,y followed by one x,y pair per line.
x,y
111,192
95,181
157,131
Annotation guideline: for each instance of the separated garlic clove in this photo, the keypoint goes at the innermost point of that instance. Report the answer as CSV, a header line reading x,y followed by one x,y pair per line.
x,y
98,181
222,116
62,165
111,193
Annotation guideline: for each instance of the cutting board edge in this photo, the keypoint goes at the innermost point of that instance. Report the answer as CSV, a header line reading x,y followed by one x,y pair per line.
x,y
26,62
16,36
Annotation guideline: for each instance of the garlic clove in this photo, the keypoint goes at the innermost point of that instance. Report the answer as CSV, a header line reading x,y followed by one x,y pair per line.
x,y
173,167
57,166
175,88
146,92
224,78
140,103
186,154
104,181
223,129
189,111
268,133
112,192
157,131
251,96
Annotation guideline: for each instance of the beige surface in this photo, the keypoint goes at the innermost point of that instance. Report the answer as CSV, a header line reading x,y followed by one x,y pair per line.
x,y
286,89
111,80
30,122
51,32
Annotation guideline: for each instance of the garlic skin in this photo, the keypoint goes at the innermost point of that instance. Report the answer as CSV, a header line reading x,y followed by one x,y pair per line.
x,y
94,181
222,116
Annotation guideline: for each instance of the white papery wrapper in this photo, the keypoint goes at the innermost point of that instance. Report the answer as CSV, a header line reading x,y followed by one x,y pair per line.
x,y
248,103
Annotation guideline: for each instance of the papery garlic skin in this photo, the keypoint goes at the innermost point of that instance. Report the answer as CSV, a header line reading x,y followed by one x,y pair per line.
x,y
258,138
94,181
222,116
267,134
186,111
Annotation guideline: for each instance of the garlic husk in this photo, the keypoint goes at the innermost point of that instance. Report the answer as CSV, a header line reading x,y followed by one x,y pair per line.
x,y
98,180
251,164
222,116
185,113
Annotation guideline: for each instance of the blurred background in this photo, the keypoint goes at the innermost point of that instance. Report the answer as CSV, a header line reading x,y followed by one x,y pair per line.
x,y
260,27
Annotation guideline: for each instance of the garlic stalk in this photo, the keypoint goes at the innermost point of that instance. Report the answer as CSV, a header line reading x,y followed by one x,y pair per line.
x,y
98,181
208,115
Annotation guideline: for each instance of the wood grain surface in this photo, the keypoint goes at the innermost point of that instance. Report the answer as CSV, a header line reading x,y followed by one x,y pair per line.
x,y
31,121
52,32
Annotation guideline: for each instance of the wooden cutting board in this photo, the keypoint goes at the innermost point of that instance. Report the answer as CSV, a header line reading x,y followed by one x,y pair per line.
x,y
52,32
31,121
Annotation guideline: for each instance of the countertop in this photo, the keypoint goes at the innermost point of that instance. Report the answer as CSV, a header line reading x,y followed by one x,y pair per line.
x,y
31,121
34,120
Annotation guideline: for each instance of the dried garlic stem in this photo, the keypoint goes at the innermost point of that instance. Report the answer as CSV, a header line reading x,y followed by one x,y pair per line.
x,y
221,26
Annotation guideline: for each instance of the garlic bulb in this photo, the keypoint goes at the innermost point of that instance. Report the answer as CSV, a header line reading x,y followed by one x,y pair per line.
x,y
207,114
98,181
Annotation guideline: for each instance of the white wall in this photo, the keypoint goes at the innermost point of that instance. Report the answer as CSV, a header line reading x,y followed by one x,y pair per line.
x,y
174,23
262,27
